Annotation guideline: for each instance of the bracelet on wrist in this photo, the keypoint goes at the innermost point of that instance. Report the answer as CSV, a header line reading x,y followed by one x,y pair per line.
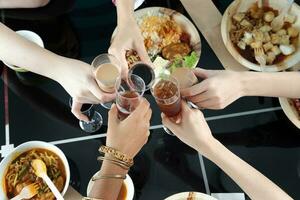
x,y
90,198
116,154
114,161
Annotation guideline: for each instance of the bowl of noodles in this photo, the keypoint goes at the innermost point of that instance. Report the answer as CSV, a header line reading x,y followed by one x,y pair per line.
x,y
16,171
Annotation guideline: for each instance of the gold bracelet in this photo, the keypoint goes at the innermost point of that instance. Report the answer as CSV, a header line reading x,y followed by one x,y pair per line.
x,y
116,154
116,162
108,176
90,198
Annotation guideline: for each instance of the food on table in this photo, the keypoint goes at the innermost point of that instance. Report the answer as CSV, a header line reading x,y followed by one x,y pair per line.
x,y
164,37
252,29
296,104
132,57
20,174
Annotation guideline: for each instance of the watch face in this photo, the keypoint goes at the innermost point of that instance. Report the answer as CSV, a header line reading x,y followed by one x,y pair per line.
x,y
138,3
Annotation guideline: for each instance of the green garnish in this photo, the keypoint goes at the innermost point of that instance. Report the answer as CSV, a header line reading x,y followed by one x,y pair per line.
x,y
187,61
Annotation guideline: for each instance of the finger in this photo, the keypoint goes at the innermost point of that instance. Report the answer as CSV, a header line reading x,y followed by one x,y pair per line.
x,y
148,114
200,97
120,55
89,100
113,115
141,50
209,104
194,90
141,110
202,73
76,110
100,95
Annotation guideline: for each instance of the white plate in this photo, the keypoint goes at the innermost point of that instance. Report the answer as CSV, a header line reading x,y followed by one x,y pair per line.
x,y
128,182
138,3
290,111
195,195
31,36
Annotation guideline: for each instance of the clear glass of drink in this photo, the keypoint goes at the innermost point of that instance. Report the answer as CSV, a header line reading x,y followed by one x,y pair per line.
x,y
96,120
167,96
144,71
107,69
129,94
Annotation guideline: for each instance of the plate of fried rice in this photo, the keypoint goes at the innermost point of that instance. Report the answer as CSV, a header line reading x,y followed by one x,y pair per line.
x,y
170,38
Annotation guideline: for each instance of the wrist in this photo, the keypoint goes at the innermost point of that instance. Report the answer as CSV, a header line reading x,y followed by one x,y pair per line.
x,y
247,82
125,10
208,147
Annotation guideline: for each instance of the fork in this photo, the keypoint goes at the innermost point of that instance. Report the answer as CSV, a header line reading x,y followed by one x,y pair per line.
x,y
27,192
260,57
278,22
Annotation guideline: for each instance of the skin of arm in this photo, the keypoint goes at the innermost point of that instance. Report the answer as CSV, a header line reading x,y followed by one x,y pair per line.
x,y
220,88
23,3
75,76
127,136
127,38
194,131
283,84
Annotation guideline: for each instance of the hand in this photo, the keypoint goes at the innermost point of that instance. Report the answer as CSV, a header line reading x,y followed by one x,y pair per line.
x,y
193,129
219,89
129,135
128,37
78,80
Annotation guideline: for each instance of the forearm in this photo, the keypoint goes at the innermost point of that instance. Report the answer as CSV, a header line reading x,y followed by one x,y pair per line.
x,y
125,10
283,84
108,189
20,52
23,3
256,185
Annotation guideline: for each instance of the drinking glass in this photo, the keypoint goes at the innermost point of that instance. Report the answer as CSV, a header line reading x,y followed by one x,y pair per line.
x,y
167,96
107,69
129,94
144,71
96,120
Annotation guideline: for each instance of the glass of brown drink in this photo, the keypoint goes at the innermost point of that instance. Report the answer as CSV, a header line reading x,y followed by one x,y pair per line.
x,y
129,94
107,69
167,96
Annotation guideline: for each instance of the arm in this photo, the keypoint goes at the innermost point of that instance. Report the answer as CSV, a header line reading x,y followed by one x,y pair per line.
x,y
127,38
222,87
75,76
283,84
195,132
128,137
23,3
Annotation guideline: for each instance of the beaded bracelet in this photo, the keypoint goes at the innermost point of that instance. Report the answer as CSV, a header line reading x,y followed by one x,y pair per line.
x,y
116,154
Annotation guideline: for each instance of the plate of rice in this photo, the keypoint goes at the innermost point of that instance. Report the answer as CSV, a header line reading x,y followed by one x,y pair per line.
x,y
169,37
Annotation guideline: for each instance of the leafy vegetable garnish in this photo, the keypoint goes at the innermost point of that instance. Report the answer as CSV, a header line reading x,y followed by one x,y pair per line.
x,y
187,61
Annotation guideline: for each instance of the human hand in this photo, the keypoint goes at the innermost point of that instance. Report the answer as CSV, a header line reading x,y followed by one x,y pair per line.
x,y
219,89
193,129
128,37
129,135
77,79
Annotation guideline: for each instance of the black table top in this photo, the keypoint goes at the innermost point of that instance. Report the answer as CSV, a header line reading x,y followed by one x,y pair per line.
x,y
255,128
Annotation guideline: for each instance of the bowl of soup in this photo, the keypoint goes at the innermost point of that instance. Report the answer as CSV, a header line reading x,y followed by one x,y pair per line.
x,y
16,171
126,191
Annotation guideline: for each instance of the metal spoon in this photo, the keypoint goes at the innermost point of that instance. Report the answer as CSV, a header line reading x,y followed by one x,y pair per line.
x,y
41,171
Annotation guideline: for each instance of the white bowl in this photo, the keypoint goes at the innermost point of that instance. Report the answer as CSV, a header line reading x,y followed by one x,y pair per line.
x,y
26,147
226,26
128,183
31,36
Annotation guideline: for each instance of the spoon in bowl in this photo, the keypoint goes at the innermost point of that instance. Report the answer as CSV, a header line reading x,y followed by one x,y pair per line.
x,y
40,170
278,22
